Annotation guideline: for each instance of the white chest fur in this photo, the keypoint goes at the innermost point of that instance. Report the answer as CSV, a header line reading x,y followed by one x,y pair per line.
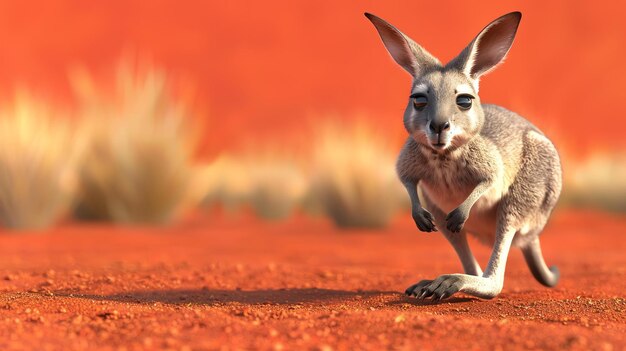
x,y
446,182
449,183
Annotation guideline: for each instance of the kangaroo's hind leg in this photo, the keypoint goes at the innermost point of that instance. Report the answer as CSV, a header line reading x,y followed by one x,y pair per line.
x,y
457,240
460,245
486,286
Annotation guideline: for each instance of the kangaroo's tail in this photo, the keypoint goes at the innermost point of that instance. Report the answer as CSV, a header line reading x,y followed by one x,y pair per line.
x,y
534,259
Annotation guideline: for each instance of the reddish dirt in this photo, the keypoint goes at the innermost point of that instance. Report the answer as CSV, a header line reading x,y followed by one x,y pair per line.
x,y
246,284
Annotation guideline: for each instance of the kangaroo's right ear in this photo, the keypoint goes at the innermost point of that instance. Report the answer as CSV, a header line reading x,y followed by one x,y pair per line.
x,y
407,53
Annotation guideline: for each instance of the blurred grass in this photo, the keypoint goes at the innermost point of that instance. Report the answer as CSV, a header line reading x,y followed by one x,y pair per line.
x,y
270,184
38,156
228,183
138,166
353,176
131,157
279,186
347,174
596,182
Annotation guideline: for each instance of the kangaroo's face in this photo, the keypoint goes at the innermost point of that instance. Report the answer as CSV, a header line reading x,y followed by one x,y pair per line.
x,y
444,110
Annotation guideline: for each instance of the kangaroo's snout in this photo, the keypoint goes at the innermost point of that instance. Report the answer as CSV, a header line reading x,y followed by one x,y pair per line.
x,y
438,127
439,134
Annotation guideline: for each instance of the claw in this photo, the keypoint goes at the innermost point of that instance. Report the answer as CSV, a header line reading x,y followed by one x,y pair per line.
x,y
422,295
428,293
410,289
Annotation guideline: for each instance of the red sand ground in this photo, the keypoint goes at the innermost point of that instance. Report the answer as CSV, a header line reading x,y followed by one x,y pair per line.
x,y
221,284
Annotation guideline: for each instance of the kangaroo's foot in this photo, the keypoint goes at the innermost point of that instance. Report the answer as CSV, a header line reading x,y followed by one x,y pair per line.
x,y
449,284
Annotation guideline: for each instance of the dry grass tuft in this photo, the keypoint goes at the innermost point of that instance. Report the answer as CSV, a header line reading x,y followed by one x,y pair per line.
x,y
270,184
279,186
598,182
228,183
354,180
37,160
139,161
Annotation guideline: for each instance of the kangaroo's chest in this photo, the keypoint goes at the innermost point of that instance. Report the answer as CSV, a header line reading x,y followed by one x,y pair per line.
x,y
448,183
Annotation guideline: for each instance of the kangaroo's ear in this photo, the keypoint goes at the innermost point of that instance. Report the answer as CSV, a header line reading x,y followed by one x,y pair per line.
x,y
408,54
489,48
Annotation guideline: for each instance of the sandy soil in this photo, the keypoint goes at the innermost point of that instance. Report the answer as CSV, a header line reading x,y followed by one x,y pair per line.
x,y
245,284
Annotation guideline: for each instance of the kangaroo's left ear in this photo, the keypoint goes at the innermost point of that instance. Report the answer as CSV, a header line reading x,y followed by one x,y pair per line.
x,y
489,48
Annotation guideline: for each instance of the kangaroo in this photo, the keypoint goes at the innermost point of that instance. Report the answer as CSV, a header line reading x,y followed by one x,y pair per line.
x,y
481,169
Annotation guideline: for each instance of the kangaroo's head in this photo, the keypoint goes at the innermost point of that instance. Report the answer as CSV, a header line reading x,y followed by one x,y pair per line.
x,y
444,110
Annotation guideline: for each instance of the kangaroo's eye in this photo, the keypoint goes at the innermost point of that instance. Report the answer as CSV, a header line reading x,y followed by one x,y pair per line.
x,y
419,101
464,102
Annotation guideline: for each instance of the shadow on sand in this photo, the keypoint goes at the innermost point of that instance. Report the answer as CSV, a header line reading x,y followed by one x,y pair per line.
x,y
259,297
428,302
249,297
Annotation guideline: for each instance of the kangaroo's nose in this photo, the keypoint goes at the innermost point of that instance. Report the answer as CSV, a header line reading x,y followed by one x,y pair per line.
x,y
438,127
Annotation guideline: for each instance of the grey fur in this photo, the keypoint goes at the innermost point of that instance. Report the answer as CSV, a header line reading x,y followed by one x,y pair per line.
x,y
483,170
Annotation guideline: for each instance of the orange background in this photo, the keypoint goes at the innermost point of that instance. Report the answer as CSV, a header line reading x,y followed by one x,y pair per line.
x,y
266,68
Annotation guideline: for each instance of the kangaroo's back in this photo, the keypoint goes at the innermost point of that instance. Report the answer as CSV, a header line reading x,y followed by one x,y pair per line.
x,y
504,127
507,130
531,161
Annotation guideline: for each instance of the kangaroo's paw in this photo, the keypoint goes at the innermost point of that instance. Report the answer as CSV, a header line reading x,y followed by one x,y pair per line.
x,y
456,219
449,284
443,287
440,288
415,288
